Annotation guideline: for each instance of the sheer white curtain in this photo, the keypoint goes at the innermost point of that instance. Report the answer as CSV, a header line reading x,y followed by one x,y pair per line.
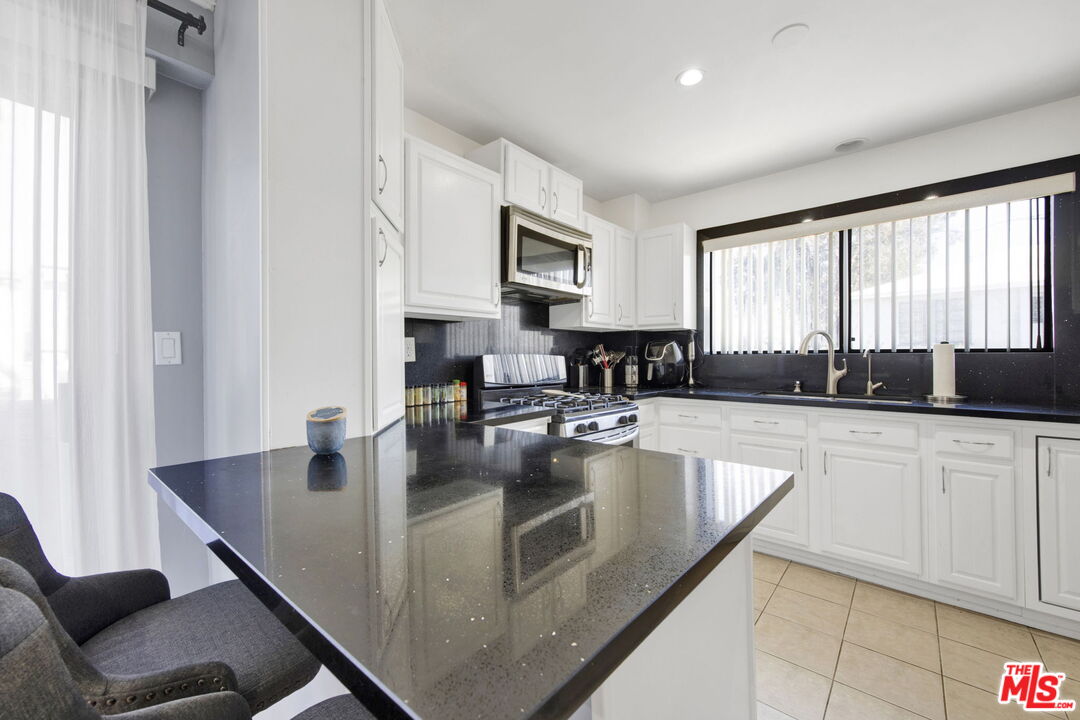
x,y
76,383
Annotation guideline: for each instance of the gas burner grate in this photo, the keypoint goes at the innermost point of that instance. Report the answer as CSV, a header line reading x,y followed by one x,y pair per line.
x,y
588,401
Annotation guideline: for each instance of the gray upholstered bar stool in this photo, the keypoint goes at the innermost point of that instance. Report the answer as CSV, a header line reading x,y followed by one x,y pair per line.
x,y
35,683
126,624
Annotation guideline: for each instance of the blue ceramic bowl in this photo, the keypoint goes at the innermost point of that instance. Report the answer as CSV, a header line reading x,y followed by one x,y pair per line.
x,y
326,430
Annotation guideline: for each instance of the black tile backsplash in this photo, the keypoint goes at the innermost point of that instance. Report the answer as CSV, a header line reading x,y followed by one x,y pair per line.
x,y
446,350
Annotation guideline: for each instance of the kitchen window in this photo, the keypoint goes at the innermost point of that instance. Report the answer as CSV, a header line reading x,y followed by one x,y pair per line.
x,y
975,274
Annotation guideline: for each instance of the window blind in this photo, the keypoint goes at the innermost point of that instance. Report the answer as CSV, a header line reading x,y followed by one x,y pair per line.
x,y
766,297
1026,190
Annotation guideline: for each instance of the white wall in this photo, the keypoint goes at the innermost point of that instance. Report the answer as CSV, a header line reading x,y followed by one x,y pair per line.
x,y
426,129
174,172
1040,133
232,243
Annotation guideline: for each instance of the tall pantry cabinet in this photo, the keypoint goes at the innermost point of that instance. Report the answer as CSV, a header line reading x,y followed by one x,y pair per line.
x,y
332,281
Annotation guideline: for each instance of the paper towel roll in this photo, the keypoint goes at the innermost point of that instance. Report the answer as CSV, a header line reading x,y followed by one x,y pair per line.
x,y
944,370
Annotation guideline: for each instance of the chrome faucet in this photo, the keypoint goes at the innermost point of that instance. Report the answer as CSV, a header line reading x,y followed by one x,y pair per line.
x,y
871,386
834,374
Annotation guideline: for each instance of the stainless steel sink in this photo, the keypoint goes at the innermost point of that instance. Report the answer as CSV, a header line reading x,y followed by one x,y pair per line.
x,y
877,399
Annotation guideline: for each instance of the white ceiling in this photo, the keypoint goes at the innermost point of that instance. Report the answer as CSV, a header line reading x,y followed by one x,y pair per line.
x,y
589,84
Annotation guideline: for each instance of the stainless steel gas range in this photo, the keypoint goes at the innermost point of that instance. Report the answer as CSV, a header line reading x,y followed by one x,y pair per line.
x,y
540,381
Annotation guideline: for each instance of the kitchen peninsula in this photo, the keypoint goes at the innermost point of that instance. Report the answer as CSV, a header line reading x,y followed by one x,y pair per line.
x,y
465,571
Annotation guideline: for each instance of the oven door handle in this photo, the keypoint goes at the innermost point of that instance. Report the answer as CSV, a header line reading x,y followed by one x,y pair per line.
x,y
617,437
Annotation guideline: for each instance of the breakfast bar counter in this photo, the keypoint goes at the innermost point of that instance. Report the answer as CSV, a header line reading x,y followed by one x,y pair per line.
x,y
464,571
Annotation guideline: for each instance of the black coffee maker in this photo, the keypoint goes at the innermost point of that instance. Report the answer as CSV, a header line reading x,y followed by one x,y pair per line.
x,y
665,365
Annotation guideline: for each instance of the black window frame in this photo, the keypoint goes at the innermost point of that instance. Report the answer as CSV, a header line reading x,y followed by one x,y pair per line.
x,y
956,186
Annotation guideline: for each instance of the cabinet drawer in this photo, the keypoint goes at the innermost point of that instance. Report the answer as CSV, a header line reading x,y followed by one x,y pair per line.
x,y
709,417
870,432
773,423
691,442
975,441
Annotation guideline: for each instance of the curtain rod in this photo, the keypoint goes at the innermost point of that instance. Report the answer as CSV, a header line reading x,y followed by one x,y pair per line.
x,y
186,19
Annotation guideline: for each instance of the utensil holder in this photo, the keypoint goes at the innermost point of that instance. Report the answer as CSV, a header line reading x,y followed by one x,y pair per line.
x,y
607,379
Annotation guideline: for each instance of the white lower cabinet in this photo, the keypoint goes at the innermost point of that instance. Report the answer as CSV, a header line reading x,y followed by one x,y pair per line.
x,y
789,520
871,507
649,438
1058,499
976,527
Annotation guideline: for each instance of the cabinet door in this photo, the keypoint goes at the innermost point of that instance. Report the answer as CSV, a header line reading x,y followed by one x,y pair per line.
x,y
625,279
648,438
567,198
452,248
976,543
1059,531
872,507
657,269
789,520
389,316
388,120
600,306
525,180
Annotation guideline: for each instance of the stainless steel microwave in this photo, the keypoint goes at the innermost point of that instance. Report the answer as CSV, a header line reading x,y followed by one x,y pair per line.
x,y
544,260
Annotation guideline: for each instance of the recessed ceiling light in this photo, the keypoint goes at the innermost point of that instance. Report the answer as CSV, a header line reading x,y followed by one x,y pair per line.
x,y
931,196
791,35
690,76
810,219
850,145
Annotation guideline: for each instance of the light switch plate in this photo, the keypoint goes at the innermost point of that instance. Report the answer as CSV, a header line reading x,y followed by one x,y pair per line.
x,y
167,349
410,349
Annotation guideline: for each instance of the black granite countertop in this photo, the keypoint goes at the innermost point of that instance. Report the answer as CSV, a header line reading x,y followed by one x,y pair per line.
x,y
971,408
456,570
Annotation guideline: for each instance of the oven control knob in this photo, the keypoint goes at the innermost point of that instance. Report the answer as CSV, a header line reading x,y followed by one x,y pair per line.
x,y
593,426
624,420
633,418
580,428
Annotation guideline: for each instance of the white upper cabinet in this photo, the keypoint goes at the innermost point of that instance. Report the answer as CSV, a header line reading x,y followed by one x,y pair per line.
x,y
1058,467
976,543
452,245
872,507
388,119
533,183
525,179
388,258
666,278
625,278
598,310
567,198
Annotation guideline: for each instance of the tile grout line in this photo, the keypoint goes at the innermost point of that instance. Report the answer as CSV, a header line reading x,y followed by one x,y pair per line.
x,y
836,665
941,662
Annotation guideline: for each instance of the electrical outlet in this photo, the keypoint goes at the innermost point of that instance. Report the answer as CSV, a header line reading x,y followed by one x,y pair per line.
x,y
410,349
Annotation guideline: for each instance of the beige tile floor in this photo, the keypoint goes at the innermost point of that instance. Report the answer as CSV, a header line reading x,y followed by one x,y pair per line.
x,y
830,647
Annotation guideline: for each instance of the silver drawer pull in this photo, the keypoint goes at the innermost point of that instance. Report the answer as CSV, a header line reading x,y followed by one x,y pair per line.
x,y
684,450
767,422
689,417
865,432
974,442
